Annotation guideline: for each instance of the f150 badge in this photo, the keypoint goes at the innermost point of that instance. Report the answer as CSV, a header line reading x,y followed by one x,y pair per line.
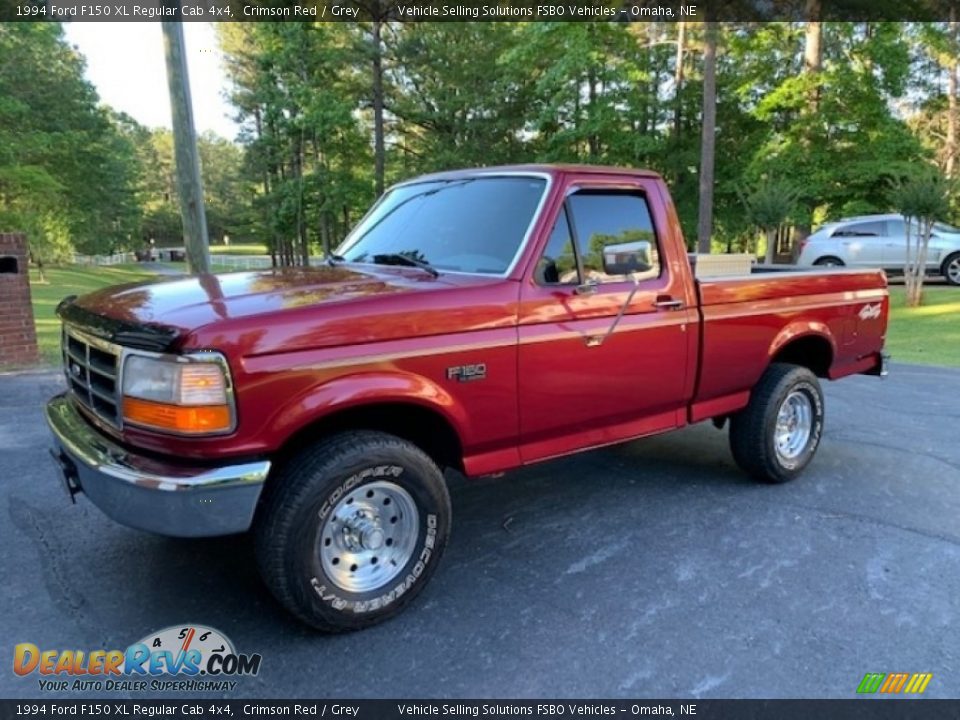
x,y
870,311
467,373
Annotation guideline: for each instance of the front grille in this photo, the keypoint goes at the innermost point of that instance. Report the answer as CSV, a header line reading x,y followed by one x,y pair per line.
x,y
92,368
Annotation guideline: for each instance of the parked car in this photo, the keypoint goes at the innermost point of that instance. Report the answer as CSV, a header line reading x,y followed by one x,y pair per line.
x,y
478,320
881,241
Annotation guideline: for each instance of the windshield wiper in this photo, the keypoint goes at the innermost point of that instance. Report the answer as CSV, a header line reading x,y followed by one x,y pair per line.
x,y
400,259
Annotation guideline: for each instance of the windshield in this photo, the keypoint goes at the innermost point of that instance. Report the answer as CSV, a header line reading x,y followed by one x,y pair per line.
x,y
473,225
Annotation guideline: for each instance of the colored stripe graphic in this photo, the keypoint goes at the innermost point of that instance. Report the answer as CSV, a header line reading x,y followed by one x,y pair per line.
x,y
871,682
894,683
918,683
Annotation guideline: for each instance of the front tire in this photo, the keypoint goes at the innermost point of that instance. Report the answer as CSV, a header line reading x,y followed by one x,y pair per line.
x,y
951,269
829,261
351,529
776,436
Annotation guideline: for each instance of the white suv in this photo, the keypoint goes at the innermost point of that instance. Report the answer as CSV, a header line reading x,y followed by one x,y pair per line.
x,y
880,241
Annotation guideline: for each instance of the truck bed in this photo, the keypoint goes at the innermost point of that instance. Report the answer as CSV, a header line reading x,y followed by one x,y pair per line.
x,y
745,320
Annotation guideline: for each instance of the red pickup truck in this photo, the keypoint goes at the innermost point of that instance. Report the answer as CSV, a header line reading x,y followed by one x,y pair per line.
x,y
478,320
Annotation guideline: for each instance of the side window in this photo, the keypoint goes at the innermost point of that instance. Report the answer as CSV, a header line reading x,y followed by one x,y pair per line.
x,y
896,228
865,229
558,266
604,218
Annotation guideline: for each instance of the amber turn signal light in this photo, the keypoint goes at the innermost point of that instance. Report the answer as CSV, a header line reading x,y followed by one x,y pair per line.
x,y
192,420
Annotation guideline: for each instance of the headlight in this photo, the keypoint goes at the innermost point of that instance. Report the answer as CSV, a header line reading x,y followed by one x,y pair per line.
x,y
176,395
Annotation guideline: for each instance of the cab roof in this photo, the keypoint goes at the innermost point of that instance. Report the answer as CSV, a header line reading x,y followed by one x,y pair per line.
x,y
539,168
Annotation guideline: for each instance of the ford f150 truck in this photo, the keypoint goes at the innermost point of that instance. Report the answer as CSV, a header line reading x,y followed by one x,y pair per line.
x,y
478,320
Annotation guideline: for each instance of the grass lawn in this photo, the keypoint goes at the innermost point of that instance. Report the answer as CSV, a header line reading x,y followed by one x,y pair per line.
x,y
929,334
70,280
182,267
242,249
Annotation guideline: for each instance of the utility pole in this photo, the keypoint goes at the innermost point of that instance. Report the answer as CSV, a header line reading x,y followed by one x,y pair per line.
x,y
708,138
189,184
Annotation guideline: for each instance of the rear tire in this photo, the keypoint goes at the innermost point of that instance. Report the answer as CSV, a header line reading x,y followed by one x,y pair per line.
x,y
351,529
829,261
776,436
951,269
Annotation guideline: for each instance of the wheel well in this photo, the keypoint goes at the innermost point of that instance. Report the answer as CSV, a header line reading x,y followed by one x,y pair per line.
x,y
812,352
425,428
947,259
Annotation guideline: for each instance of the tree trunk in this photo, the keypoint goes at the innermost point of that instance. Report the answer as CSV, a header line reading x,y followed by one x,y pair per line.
x,y
678,78
950,167
379,151
908,270
708,139
812,65
325,235
304,242
813,50
771,234
593,142
920,267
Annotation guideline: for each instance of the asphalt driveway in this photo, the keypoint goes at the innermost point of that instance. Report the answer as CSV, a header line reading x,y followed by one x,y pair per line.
x,y
651,569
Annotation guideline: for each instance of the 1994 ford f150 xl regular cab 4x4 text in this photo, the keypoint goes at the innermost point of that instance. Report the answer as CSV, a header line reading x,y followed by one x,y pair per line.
x,y
477,320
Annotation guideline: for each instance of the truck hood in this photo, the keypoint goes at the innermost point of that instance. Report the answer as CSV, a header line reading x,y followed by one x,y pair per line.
x,y
178,306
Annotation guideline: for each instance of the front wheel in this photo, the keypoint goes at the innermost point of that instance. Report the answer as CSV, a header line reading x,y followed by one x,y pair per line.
x,y
776,436
351,529
828,261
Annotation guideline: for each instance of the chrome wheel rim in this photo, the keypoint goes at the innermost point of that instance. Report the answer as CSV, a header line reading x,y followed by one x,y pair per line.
x,y
369,536
794,425
953,271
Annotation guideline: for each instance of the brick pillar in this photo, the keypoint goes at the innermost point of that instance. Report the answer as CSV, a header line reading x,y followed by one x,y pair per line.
x,y
18,336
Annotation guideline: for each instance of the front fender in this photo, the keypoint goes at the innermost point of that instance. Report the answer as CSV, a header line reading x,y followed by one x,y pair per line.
x,y
367,388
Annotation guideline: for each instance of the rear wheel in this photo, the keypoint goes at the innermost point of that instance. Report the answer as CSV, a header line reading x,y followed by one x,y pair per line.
x,y
951,269
829,261
351,529
776,436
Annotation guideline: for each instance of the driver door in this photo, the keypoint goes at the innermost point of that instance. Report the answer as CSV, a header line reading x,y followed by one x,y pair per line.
x,y
586,376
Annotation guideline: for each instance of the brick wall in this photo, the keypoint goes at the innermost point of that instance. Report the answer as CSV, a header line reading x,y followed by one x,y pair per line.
x,y
18,337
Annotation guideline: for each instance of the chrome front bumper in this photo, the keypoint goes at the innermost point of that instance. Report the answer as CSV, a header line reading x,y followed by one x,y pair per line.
x,y
155,495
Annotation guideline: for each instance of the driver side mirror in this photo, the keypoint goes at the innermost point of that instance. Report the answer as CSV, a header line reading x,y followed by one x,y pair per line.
x,y
627,258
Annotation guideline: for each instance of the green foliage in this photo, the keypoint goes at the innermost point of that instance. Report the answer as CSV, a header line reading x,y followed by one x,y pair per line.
x,y
227,192
923,195
77,175
770,203
297,88
66,165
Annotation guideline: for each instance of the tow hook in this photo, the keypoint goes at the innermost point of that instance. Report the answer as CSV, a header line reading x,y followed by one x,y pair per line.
x,y
68,473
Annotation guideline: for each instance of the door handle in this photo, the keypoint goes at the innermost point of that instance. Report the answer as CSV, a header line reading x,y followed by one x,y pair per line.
x,y
668,303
